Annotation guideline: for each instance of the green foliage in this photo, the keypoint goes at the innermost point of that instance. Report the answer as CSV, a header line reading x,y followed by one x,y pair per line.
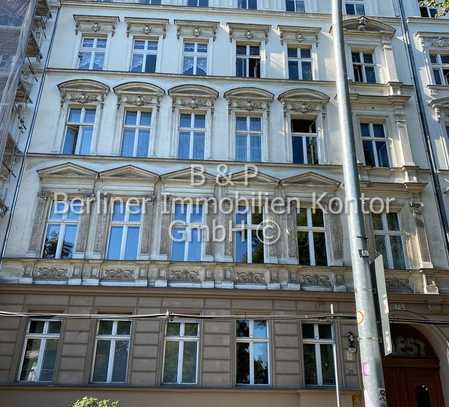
x,y
94,402
441,5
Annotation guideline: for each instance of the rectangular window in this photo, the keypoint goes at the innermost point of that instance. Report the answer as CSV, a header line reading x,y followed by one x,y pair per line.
x,y
248,134
181,353
136,133
92,52
296,6
186,233
124,234
79,130
192,136
247,4
40,348
389,240
363,67
248,241
304,141
152,2
299,63
355,7
318,355
144,56
248,61
440,68
252,352
375,146
428,12
62,228
111,351
198,3
311,233
195,58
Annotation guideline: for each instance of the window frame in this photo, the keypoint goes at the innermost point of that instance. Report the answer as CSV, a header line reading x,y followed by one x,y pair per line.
x,y
146,51
304,136
247,57
81,125
191,131
431,12
302,10
181,339
92,50
137,128
195,54
247,2
373,140
248,133
197,3
299,60
363,65
354,4
113,338
440,67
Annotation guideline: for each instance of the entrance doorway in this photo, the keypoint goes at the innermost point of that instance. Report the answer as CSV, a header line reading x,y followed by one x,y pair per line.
x,y
412,372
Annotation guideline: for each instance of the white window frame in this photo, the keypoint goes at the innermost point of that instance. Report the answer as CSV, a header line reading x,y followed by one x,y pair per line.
x,y
252,340
249,133
295,2
247,4
113,338
195,54
248,228
144,52
247,58
373,139
364,65
440,67
317,342
387,234
299,60
43,343
137,127
306,135
192,130
63,222
181,339
125,224
92,50
310,229
355,3
81,124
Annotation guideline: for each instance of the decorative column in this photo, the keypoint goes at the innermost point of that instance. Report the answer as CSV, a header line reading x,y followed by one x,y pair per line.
x,y
404,141
147,228
390,63
103,216
40,217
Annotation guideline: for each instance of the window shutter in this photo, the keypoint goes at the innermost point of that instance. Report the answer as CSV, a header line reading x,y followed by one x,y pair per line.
x,y
369,231
335,237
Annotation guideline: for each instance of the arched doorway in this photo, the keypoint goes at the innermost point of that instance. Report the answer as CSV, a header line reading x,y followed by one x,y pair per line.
x,y
412,372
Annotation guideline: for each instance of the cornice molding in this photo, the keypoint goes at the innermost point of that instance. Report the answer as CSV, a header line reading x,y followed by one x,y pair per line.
x,y
249,32
196,29
146,26
95,24
299,35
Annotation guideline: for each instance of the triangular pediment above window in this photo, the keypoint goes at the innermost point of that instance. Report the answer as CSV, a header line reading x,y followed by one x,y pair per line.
x,y
129,172
83,91
250,176
66,171
193,96
311,180
249,98
139,93
367,26
188,176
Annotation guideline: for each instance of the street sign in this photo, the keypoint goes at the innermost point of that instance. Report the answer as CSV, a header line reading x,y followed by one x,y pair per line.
x,y
382,304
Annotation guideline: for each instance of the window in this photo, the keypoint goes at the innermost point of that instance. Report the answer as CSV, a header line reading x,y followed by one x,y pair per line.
x,y
248,241
39,353
79,130
388,238
92,52
318,355
355,7
192,136
304,141
248,138
248,61
124,235
195,58
252,352
181,353
136,133
440,68
152,2
428,12
311,233
297,6
374,144
62,227
111,351
363,66
144,56
299,63
247,4
186,233
198,3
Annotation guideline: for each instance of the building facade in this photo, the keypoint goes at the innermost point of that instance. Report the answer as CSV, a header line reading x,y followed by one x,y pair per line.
x,y
185,160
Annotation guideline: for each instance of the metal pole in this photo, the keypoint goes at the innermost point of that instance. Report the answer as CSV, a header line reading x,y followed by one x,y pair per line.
x,y
371,362
334,351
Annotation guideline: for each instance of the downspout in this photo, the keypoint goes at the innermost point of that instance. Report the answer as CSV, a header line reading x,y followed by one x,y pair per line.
x,y
30,134
425,127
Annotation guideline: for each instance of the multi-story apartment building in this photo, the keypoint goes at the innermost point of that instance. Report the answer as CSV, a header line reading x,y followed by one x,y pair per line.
x,y
151,115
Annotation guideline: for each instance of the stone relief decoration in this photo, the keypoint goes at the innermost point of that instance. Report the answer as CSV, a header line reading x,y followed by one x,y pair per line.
x,y
249,32
95,24
401,285
50,273
196,29
316,282
435,40
368,27
298,35
82,91
192,276
193,97
303,101
118,274
139,94
249,277
154,27
249,99
440,106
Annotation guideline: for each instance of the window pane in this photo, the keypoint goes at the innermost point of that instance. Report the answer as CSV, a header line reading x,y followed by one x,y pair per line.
x,y
240,153
378,130
368,151
86,139
312,152
255,145
255,124
184,145
355,57
317,217
132,243
101,42
306,71
68,245
260,363
310,373
145,118
48,361
365,129
101,361
397,252
30,360
120,361
254,68
241,50
118,211
89,116
306,53
105,327
301,217
325,331
131,117
150,63
190,329
201,66
240,67
98,60
260,329
195,245
184,120
199,121
393,221
139,44
437,76
70,140
368,58
137,63
84,58
188,65
196,216
254,50
189,362
293,72
252,4
51,242
381,249
173,329
298,152
88,42
171,362
382,154
327,364
241,248
319,240
198,146
292,52
242,328
240,123
123,327
308,331
181,212
178,245
303,248
115,243
243,363
370,74
377,222
54,327
74,116
257,247
143,143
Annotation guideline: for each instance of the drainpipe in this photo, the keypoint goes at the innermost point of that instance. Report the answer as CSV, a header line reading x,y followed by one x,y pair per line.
x,y
425,127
